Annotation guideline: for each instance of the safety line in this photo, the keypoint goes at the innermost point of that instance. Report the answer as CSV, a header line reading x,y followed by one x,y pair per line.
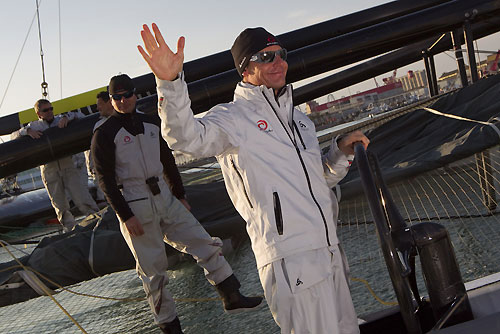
x,y
460,118
365,282
47,292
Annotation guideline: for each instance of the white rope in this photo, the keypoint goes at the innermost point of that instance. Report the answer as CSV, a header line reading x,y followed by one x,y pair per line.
x,y
460,118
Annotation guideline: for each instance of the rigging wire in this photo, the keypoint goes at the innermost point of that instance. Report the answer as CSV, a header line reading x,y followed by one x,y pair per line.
x,y
18,59
478,58
60,50
44,84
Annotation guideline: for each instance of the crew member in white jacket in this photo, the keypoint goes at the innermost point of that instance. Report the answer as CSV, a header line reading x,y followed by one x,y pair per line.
x,y
60,174
275,175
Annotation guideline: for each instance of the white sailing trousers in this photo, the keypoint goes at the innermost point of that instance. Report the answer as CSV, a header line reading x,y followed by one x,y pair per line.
x,y
57,181
165,219
308,293
86,199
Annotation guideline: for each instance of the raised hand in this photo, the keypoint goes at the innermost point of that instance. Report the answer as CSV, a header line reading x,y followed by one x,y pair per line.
x,y
163,62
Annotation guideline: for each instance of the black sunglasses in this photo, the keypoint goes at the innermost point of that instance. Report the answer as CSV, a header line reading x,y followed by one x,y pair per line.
x,y
47,109
268,56
118,97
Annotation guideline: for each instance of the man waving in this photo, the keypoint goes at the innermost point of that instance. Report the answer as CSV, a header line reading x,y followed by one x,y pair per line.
x,y
275,174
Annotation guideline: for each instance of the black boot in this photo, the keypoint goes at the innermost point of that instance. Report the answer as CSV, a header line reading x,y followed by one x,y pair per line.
x,y
172,327
233,300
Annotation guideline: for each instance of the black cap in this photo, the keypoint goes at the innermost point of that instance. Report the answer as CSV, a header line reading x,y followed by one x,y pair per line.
x,y
248,43
121,82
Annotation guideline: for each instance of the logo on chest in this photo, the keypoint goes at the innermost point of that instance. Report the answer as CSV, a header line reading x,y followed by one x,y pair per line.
x,y
263,126
127,140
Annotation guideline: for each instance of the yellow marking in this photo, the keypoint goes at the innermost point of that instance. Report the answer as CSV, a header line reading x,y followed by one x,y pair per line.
x,y
64,105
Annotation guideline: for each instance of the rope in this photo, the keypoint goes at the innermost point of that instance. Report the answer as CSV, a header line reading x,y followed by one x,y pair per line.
x,y
434,44
365,282
460,118
44,85
186,300
17,249
46,290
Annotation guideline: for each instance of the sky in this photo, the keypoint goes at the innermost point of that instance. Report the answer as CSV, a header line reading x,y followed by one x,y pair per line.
x,y
87,42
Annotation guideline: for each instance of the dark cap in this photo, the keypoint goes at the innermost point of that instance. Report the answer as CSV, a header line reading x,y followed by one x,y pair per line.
x,y
121,82
248,43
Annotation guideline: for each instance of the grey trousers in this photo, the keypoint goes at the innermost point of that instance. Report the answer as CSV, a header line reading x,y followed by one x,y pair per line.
x,y
165,219
57,182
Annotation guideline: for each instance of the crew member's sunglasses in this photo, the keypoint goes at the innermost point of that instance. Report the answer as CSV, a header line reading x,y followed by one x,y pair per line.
x,y
47,109
268,56
118,97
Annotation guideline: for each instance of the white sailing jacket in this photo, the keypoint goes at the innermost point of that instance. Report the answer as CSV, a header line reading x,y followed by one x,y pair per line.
x,y
272,165
42,125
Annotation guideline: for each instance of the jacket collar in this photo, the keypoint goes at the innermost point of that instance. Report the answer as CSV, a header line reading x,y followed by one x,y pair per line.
x,y
250,92
123,115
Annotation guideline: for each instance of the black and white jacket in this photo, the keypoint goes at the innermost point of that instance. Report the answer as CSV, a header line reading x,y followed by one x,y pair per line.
x,y
127,150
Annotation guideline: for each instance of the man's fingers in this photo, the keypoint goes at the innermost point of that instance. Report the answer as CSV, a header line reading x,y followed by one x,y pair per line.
x,y
358,136
160,58
137,230
144,54
159,36
366,141
180,46
134,227
140,230
148,39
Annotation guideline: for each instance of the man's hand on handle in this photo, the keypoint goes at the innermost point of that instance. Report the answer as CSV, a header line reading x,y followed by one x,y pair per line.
x,y
346,144
165,64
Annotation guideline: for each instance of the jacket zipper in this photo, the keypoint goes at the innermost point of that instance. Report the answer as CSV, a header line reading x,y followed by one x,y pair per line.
x,y
277,213
305,170
300,136
135,126
242,183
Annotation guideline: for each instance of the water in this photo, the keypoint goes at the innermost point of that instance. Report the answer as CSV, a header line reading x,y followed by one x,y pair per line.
x,y
474,232
41,315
